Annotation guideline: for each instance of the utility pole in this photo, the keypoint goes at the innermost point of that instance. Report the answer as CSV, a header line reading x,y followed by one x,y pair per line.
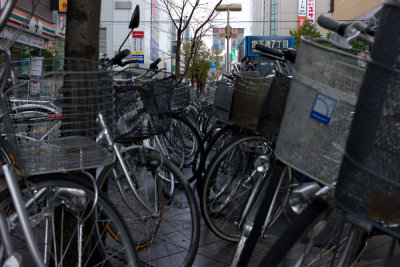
x,y
228,30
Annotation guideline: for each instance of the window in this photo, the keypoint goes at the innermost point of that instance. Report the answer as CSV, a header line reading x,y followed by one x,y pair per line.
x,y
103,41
330,4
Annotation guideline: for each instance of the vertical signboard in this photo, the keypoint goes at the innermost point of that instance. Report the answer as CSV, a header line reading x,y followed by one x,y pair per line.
x,y
302,12
311,11
62,6
218,38
137,51
237,37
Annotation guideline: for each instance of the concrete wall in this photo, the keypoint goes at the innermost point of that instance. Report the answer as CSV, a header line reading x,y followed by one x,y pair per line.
x,y
350,9
287,15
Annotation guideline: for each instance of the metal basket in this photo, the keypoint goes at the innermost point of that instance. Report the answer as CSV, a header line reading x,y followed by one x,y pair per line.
x,y
45,141
142,110
319,109
273,108
223,100
369,183
180,96
249,95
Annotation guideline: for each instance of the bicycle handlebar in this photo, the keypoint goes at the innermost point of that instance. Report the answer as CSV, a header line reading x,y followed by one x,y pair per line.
x,y
268,50
118,58
153,66
274,54
9,6
133,61
332,25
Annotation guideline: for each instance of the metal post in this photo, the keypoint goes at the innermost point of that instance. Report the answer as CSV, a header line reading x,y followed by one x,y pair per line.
x,y
228,56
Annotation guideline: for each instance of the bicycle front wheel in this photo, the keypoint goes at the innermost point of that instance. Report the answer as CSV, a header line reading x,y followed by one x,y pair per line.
x,y
319,236
166,229
69,225
229,182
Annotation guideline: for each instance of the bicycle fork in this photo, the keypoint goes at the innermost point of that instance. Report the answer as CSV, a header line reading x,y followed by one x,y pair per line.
x,y
131,180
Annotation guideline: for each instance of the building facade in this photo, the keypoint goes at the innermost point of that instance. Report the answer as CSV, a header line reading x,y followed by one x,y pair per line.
x,y
278,17
344,10
43,33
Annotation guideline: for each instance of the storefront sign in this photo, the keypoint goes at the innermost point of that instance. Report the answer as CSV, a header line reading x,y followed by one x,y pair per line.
x,y
23,38
302,12
62,6
61,23
276,42
35,26
311,11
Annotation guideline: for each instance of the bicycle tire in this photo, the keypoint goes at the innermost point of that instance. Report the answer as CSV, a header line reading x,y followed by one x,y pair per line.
x,y
193,137
97,245
226,187
255,220
175,239
319,236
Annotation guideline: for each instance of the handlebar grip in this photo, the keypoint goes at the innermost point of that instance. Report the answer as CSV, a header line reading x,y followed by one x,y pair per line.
x,y
129,62
269,50
117,59
331,24
153,65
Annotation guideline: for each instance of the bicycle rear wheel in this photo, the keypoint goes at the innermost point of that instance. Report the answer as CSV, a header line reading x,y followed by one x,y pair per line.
x,y
67,233
229,182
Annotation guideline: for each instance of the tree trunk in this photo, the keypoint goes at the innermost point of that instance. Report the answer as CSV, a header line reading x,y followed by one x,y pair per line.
x,y
82,36
178,54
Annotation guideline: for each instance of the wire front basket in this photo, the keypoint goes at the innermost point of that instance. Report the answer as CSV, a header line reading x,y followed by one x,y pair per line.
x,y
369,182
180,96
142,110
249,95
50,119
223,100
318,111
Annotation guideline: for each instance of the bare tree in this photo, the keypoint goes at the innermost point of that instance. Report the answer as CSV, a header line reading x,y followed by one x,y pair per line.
x,y
181,13
199,33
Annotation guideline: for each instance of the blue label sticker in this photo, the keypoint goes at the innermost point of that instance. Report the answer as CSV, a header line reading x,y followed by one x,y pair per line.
x,y
138,57
323,108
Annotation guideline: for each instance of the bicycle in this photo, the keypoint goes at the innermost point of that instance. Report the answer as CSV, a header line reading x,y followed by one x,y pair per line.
x,y
329,140
232,182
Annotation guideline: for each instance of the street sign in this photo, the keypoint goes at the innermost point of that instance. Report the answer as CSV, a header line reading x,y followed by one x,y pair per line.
x,y
138,55
276,42
213,65
233,54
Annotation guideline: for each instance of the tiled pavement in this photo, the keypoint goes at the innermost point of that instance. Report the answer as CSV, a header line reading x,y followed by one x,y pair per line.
x,y
216,252
213,251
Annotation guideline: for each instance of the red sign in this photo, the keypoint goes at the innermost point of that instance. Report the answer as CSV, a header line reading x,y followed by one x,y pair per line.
x,y
311,11
137,34
301,20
